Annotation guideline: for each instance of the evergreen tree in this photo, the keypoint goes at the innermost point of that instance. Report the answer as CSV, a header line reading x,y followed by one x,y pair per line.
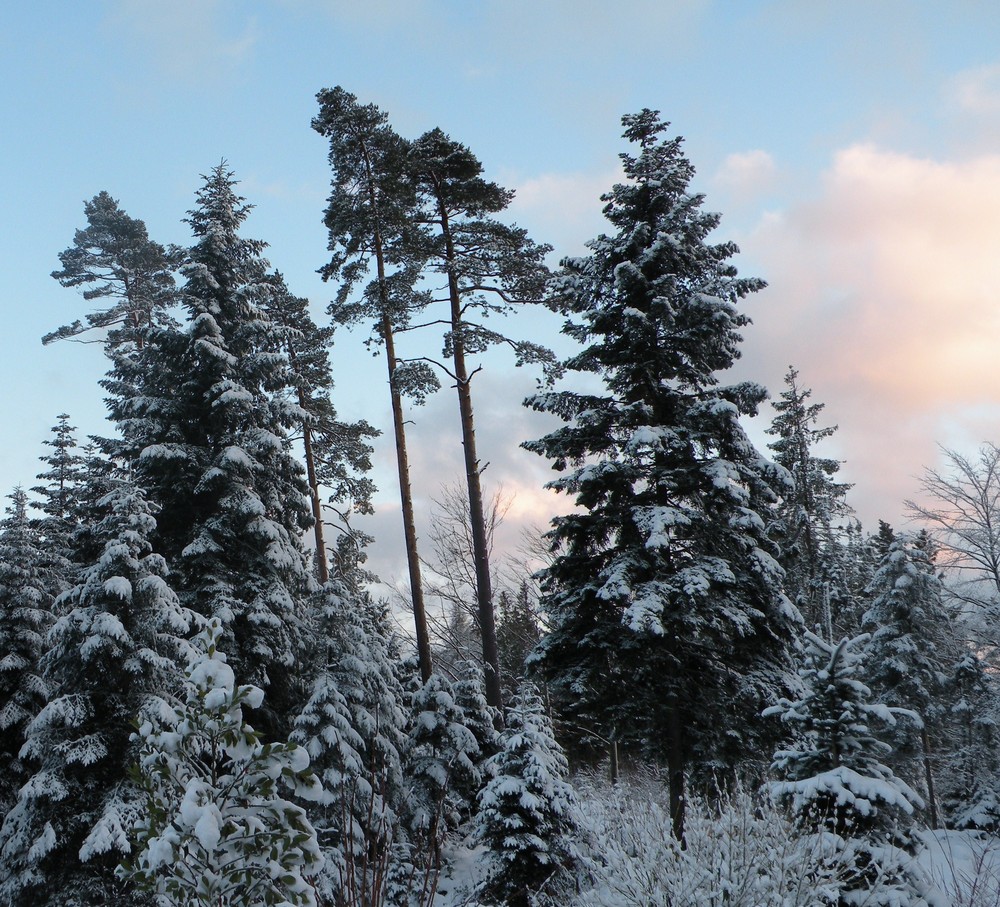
x,y
370,218
667,623
489,269
971,773
835,780
911,644
114,259
527,811
205,415
27,593
440,764
337,454
215,828
113,654
352,726
807,512
61,484
518,634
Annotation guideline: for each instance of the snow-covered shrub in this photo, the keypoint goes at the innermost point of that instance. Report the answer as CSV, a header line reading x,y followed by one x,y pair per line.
x,y
964,867
741,851
527,811
216,831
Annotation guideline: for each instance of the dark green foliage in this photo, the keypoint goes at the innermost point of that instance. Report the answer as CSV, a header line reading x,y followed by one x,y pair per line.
x,y
114,259
668,624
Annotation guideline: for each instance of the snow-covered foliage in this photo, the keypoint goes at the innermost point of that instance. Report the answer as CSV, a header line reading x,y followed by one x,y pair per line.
x,y
970,777
215,828
205,414
740,850
804,522
441,762
28,584
352,726
913,642
527,811
114,652
668,626
834,779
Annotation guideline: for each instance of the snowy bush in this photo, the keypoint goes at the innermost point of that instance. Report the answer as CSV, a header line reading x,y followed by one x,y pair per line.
x,y
742,850
216,830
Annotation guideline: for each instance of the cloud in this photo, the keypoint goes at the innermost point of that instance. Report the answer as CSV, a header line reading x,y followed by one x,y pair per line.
x,y
977,90
885,293
186,37
746,173
564,208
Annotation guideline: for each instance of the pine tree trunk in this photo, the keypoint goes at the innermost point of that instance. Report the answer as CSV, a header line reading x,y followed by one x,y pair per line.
x,y
322,566
402,459
406,501
477,517
929,778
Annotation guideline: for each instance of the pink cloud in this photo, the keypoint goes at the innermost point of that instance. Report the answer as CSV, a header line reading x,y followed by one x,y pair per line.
x,y
885,293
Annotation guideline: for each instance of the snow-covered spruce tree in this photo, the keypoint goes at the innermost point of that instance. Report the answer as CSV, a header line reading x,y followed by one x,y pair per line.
x,y
807,511
353,727
28,586
527,811
912,645
970,776
205,415
835,780
215,827
116,649
62,484
664,598
440,764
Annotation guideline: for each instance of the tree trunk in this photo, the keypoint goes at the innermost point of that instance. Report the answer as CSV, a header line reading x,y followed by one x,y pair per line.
x,y
929,778
675,772
406,500
477,518
399,430
322,567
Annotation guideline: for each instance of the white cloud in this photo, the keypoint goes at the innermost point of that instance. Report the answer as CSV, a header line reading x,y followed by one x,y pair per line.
x,y
977,90
746,173
564,208
186,37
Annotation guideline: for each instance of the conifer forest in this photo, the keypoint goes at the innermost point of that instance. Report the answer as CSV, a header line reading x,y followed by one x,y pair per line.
x,y
704,683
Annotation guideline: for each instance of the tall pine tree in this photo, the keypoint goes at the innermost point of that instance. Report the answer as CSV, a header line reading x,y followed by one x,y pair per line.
x,y
668,624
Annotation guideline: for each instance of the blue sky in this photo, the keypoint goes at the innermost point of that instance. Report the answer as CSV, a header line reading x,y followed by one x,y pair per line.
x,y
853,149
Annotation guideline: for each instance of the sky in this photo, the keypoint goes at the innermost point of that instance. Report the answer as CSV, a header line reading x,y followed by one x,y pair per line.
x,y
852,148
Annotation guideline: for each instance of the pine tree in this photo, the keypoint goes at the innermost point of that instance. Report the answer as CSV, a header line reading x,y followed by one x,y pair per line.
x,y
114,653
337,454
807,512
205,415
114,259
490,269
27,591
668,625
912,643
835,780
527,811
215,828
370,221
